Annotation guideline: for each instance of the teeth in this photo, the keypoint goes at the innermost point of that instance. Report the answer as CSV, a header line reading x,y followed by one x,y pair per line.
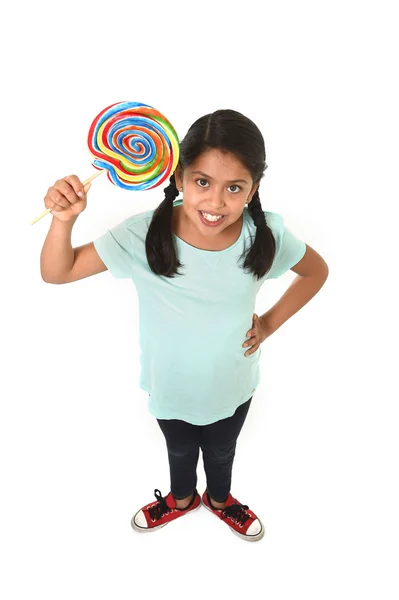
x,y
211,217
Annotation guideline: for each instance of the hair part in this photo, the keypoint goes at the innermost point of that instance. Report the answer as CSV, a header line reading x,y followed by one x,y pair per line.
x,y
227,131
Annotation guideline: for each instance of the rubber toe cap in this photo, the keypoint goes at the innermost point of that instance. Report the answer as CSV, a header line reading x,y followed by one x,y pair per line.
x,y
254,528
140,519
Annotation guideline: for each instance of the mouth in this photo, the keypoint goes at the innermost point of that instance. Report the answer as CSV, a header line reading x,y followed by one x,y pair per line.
x,y
211,223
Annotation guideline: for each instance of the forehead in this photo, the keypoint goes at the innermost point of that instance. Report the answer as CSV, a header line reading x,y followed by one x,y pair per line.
x,y
220,165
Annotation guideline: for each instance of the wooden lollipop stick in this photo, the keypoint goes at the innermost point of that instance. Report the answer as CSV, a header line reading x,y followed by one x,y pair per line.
x,y
83,183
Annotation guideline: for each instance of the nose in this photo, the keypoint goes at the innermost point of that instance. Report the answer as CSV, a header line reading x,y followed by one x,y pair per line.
x,y
216,202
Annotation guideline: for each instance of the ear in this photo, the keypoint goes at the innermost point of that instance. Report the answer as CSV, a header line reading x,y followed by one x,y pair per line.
x,y
179,177
253,190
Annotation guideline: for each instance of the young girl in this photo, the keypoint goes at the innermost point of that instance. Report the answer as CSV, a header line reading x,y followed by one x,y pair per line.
x,y
199,336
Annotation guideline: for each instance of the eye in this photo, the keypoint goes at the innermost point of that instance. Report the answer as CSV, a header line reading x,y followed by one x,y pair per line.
x,y
201,180
236,186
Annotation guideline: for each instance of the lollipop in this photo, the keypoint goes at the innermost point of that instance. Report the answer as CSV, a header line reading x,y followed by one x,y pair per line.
x,y
135,144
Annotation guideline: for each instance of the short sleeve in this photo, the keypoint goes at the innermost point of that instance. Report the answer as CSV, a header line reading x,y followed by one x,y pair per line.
x,y
116,250
289,248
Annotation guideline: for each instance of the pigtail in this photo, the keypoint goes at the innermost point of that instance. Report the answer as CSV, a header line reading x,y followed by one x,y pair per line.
x,y
260,256
159,243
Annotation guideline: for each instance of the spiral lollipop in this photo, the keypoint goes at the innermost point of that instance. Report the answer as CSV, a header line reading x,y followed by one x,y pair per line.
x,y
135,144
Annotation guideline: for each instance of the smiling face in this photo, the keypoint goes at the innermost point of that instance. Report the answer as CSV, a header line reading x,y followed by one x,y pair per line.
x,y
215,184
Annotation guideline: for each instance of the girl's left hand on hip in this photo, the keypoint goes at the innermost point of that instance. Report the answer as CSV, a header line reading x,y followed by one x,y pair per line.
x,y
256,335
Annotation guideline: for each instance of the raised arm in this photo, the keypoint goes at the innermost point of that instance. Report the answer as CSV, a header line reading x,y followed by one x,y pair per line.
x,y
59,262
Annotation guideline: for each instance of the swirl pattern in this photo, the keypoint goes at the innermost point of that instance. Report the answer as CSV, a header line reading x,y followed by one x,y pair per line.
x,y
135,143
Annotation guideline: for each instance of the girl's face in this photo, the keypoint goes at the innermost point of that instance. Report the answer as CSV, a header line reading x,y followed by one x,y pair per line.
x,y
216,184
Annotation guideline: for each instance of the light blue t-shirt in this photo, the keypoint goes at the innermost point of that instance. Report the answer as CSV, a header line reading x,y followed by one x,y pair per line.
x,y
192,327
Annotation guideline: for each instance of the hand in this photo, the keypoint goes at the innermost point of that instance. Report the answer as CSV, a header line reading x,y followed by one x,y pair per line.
x,y
67,198
256,335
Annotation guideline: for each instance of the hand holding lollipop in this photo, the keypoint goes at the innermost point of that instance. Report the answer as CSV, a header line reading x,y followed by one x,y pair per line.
x,y
66,199
134,143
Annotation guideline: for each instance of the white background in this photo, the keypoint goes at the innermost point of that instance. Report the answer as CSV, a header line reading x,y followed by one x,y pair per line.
x,y
317,459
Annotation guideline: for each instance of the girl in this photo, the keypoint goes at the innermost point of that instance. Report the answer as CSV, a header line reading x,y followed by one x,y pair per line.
x,y
198,369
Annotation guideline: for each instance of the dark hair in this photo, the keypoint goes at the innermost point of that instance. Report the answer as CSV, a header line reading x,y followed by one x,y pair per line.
x,y
227,131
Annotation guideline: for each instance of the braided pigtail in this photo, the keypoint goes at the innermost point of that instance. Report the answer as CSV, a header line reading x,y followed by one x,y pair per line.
x,y
261,254
159,243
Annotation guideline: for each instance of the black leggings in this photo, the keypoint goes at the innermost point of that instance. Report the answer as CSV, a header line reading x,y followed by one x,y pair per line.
x,y
218,444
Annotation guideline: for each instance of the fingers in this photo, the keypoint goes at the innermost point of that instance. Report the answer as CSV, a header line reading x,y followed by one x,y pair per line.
x,y
252,340
65,187
54,201
76,185
252,350
253,337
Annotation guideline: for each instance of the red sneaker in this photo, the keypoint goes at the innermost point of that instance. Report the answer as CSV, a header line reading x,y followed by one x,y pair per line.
x,y
161,512
242,521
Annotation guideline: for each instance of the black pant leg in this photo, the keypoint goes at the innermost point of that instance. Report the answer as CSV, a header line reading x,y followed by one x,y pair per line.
x,y
182,441
218,444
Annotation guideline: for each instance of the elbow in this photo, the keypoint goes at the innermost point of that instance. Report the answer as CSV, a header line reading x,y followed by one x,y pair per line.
x,y
50,280
44,278
325,270
323,274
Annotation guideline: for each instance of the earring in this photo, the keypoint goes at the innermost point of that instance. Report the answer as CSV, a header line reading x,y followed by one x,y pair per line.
x,y
181,189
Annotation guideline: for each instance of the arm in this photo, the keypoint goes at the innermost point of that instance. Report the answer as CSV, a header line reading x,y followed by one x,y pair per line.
x,y
312,273
60,263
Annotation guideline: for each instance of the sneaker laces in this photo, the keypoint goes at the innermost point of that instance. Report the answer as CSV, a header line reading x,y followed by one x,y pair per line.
x,y
237,513
160,508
